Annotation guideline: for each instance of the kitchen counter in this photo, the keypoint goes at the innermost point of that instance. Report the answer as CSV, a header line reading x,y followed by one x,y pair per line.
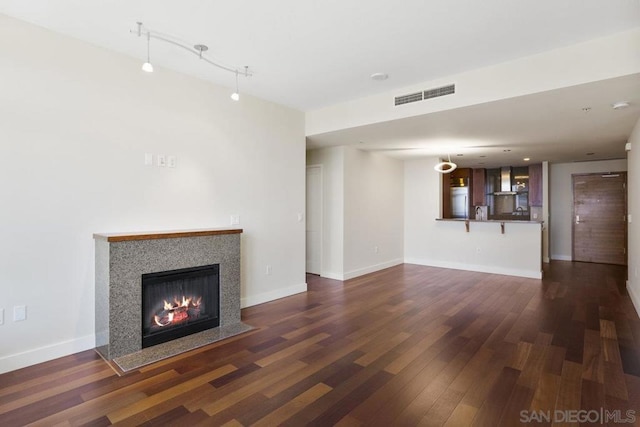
x,y
521,221
509,247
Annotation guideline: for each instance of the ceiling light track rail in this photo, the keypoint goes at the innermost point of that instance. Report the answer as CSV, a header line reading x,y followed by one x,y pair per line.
x,y
197,49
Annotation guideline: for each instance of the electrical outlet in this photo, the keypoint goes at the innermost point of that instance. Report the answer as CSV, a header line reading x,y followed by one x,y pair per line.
x,y
172,162
235,219
19,313
268,271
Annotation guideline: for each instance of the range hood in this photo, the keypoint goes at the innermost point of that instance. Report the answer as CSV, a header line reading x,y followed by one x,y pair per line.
x,y
505,183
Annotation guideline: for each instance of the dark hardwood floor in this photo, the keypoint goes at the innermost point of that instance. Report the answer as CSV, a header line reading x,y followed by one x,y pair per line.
x,y
409,345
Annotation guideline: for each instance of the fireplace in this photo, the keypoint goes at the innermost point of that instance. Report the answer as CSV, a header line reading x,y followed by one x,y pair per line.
x,y
179,302
122,259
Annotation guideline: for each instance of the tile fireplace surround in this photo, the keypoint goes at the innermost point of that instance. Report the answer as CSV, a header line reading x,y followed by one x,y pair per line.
x,y
122,259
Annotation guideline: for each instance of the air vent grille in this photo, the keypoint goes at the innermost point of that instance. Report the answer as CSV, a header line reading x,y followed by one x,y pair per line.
x,y
412,97
440,91
427,94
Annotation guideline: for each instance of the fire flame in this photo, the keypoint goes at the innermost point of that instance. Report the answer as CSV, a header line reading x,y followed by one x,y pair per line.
x,y
176,311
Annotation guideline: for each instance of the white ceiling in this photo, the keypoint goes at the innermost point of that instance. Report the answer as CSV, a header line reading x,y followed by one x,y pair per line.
x,y
548,126
307,54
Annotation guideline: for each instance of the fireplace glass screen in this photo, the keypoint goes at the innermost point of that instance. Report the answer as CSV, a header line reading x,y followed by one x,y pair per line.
x,y
180,302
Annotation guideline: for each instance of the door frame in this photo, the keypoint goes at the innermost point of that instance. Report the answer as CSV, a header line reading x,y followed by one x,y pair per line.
x,y
626,210
321,213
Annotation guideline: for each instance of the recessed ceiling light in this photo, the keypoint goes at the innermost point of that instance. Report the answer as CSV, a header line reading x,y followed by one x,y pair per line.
x,y
590,154
586,109
506,151
526,159
483,156
619,105
379,76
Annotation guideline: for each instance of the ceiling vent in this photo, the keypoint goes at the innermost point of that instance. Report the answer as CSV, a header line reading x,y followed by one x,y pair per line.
x,y
440,91
427,94
406,99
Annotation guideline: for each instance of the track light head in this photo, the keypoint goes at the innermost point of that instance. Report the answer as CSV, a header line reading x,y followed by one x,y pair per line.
x,y
236,95
147,65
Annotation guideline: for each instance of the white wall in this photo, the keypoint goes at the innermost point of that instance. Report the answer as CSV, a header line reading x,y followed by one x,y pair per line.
x,y
561,201
446,244
373,212
633,192
363,208
75,122
545,212
332,161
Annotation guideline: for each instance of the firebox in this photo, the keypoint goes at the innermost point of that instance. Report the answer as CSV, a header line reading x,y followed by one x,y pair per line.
x,y
180,302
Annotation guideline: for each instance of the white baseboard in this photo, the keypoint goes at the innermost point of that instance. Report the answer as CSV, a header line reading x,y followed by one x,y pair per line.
x,y
46,353
635,298
531,274
372,269
562,257
272,295
332,275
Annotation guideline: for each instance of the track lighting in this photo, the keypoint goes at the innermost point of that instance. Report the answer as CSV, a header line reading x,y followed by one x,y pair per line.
x,y
197,49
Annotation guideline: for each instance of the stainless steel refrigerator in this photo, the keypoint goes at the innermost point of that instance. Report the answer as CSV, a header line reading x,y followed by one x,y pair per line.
x,y
460,202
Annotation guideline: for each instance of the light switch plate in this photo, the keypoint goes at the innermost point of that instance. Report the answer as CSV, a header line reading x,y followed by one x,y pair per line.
x,y
148,159
19,313
162,160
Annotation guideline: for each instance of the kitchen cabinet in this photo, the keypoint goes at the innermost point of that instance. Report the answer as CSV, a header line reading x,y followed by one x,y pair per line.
x,y
479,192
535,185
446,196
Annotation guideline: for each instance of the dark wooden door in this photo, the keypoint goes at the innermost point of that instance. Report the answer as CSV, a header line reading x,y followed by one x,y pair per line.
x,y
600,218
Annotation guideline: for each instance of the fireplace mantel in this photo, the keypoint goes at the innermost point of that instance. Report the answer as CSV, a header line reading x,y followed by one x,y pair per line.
x,y
122,259
150,235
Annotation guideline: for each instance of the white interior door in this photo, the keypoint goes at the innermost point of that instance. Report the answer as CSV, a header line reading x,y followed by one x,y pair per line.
x,y
314,219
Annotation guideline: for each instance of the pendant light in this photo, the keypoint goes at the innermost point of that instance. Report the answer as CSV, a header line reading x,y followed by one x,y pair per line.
x,y
445,167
